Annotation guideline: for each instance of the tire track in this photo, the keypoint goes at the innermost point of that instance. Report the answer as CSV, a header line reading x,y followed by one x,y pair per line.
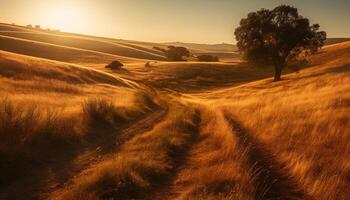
x,y
104,149
141,126
270,181
167,189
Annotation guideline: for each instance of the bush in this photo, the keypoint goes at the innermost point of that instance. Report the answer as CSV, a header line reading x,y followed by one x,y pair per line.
x,y
115,65
100,113
177,53
174,53
208,58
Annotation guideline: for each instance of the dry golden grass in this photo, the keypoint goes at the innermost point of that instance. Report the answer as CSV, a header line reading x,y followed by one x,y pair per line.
x,y
215,168
188,77
303,121
29,80
59,53
52,110
74,115
141,164
98,45
124,49
16,66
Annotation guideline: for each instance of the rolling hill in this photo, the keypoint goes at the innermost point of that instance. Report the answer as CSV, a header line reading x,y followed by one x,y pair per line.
x,y
72,129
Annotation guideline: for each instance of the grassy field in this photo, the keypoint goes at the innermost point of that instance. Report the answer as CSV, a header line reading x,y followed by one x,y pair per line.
x,y
72,129
303,121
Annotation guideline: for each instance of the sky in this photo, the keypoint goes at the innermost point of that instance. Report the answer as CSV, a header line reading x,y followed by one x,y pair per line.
x,y
196,21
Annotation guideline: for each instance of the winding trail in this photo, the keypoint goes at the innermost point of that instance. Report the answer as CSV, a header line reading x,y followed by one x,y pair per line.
x,y
168,188
51,176
271,182
110,146
141,126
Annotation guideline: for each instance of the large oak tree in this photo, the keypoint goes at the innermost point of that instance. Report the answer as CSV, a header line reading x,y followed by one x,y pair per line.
x,y
278,36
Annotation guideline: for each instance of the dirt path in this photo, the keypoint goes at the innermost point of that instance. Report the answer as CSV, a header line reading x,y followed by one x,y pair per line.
x,y
270,181
51,176
169,189
141,126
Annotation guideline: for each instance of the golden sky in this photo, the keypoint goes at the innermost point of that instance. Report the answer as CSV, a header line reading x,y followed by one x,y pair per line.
x,y
200,21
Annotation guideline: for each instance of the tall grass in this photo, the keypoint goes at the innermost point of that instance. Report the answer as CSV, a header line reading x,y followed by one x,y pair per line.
x,y
141,164
216,166
25,128
305,123
104,113
30,132
100,113
29,135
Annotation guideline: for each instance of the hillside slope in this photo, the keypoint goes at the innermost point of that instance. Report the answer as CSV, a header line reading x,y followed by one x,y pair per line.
x,y
53,117
126,48
302,123
72,129
59,53
87,44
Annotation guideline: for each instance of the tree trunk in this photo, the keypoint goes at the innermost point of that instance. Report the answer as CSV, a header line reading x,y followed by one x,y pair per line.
x,y
278,72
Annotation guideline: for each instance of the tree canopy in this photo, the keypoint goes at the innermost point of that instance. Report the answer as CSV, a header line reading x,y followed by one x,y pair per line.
x,y
177,53
174,53
278,36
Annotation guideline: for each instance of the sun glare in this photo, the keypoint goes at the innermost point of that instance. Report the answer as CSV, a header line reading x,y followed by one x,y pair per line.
x,y
65,18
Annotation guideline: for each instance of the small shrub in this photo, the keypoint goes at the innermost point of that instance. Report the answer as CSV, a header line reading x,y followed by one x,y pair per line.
x,y
99,113
115,65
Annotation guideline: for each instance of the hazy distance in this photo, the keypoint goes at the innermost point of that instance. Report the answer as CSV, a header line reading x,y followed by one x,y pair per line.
x,y
199,21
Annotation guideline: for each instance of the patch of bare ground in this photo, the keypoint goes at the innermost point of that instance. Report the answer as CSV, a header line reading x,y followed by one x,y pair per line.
x,y
271,182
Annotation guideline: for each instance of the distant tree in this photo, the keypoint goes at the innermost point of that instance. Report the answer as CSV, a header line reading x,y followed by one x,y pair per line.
x,y
174,53
278,36
177,53
115,65
29,26
37,26
208,58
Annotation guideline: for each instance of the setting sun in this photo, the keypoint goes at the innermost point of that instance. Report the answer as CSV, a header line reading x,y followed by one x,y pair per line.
x,y
64,18
174,100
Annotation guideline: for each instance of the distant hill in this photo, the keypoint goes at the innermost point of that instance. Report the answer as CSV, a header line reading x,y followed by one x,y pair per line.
x,y
126,48
224,47
330,41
